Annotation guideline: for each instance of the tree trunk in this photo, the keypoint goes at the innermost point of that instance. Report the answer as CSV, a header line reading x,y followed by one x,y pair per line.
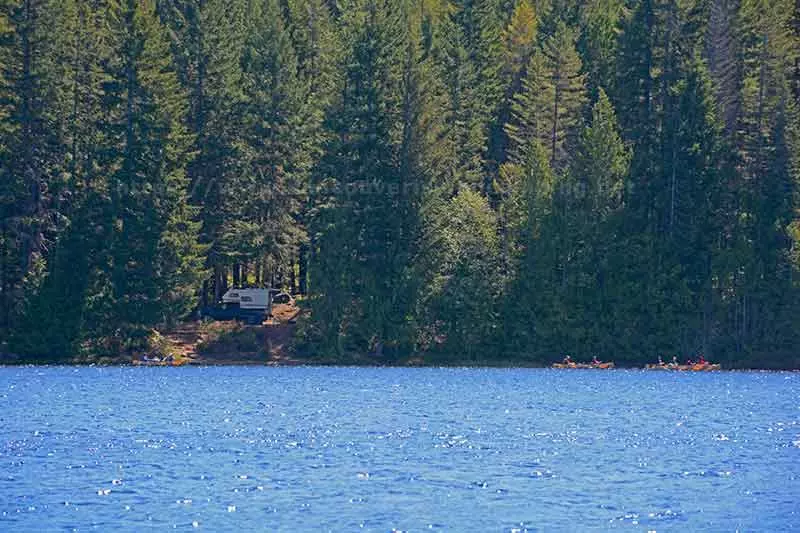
x,y
32,238
292,277
219,276
5,302
237,279
554,133
303,268
721,50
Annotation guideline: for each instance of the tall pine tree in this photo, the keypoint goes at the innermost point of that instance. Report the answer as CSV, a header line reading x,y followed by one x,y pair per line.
x,y
153,255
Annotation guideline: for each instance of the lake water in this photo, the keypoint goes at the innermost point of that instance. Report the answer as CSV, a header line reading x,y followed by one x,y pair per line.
x,y
347,449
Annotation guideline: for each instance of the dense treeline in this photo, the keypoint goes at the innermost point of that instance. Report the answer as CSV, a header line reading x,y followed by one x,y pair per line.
x,y
471,179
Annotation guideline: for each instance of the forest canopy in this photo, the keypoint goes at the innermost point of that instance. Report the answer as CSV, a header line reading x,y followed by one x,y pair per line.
x,y
465,179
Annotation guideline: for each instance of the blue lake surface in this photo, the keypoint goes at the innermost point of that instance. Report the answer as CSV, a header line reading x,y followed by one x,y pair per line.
x,y
352,449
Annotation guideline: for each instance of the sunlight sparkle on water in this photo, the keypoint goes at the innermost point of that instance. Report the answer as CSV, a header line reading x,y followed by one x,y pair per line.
x,y
410,449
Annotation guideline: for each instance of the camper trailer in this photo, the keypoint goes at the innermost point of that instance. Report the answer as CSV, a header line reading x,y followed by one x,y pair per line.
x,y
251,306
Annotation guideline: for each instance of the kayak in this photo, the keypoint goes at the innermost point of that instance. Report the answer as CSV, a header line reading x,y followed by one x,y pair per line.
x,y
138,362
705,367
697,367
601,366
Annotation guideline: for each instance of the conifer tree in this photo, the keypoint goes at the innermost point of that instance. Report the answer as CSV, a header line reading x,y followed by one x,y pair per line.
x,y
76,97
598,178
466,137
598,42
32,172
529,307
6,185
547,112
208,40
361,160
762,139
377,167
568,93
636,103
551,103
697,171
528,117
483,22
274,153
519,45
602,161
723,60
152,251
519,37
316,42
663,87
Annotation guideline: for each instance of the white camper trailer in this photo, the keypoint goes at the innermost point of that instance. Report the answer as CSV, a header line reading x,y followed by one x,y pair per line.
x,y
248,298
248,305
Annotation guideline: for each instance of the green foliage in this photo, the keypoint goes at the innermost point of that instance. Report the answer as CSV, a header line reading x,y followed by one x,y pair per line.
x,y
461,285
29,177
224,339
550,105
602,161
529,296
597,44
151,250
376,166
466,138
274,157
431,171
520,37
207,41
483,22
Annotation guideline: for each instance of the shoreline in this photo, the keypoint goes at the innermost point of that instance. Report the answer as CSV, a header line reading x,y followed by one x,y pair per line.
x,y
296,362
275,344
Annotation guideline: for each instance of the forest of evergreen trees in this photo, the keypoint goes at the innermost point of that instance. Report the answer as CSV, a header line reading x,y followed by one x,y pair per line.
x,y
472,179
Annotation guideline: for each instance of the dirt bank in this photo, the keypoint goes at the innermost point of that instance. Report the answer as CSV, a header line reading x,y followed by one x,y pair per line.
x,y
230,343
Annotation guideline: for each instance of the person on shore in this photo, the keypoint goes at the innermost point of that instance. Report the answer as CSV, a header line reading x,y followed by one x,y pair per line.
x,y
660,361
567,360
596,361
701,360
